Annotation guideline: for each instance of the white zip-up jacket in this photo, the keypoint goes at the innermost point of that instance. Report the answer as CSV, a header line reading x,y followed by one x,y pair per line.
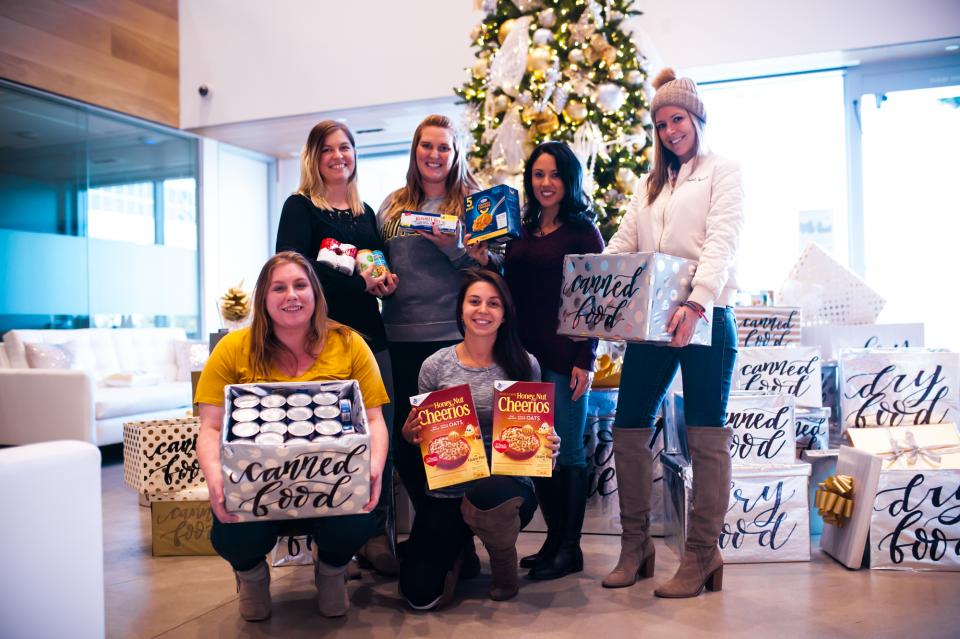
x,y
699,218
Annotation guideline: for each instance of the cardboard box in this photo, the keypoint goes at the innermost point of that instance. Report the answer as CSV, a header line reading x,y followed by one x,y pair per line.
x,y
180,523
452,444
833,339
523,417
629,296
904,505
793,370
324,477
160,456
492,215
768,325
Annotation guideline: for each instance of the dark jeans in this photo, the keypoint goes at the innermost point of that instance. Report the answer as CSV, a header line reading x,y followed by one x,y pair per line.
x,y
337,539
648,371
439,534
406,358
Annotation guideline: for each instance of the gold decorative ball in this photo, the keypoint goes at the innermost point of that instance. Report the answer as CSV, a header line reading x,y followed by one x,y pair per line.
x,y
575,111
546,122
616,71
609,54
505,29
479,69
576,56
626,180
538,60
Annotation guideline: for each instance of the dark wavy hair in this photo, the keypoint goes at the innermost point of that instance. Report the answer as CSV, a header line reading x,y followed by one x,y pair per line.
x,y
575,207
508,352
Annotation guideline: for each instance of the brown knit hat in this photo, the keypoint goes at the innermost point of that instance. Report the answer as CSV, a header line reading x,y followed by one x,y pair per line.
x,y
679,92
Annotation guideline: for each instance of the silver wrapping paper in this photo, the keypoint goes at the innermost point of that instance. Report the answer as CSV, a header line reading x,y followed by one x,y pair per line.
x,y
630,296
823,463
830,391
768,325
812,428
293,550
677,484
792,370
763,429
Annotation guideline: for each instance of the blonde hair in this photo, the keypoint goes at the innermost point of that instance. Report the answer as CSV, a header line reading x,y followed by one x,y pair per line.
x,y
266,349
460,182
311,182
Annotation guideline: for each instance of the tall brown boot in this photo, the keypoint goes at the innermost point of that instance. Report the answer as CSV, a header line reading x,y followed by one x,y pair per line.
x,y
254,588
701,565
633,460
498,529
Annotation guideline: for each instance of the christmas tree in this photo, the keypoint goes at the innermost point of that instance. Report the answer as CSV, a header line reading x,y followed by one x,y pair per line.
x,y
562,70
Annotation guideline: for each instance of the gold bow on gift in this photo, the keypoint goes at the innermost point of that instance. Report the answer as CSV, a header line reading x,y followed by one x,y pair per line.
x,y
607,372
834,499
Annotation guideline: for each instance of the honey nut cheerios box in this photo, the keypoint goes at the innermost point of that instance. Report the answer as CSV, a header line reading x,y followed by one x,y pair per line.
x,y
523,417
451,443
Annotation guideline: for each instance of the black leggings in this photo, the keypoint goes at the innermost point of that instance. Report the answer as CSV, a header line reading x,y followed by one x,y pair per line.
x,y
439,534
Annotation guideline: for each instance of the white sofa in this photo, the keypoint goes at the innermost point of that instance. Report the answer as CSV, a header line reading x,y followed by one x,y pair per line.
x,y
39,405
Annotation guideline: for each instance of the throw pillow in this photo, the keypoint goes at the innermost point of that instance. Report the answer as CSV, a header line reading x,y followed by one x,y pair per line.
x,y
49,356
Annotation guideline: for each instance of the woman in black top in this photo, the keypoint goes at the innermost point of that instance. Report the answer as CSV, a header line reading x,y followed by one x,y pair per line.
x,y
327,205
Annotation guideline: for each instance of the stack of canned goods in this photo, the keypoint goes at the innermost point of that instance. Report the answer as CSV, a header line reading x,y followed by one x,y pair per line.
x,y
295,418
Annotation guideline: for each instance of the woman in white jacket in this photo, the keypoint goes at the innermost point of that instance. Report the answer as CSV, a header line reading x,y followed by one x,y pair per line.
x,y
689,206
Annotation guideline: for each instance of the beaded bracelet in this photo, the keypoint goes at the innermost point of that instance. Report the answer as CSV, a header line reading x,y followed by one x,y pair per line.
x,y
696,308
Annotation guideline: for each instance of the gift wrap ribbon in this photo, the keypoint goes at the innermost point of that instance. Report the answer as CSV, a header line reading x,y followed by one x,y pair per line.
x,y
834,499
912,452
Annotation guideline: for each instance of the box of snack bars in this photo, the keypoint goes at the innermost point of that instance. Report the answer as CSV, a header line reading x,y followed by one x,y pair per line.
x,y
492,215
451,445
523,417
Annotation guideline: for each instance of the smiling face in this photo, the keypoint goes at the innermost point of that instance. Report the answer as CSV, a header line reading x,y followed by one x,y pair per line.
x,y
435,154
290,301
677,133
547,183
337,159
482,310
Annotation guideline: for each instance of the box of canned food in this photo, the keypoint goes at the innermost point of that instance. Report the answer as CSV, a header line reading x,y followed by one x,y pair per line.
x,y
292,450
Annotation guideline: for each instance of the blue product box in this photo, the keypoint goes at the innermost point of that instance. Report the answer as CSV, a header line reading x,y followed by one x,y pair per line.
x,y
492,215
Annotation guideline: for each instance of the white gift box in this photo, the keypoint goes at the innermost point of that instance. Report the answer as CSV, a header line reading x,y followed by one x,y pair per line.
x,y
898,387
160,456
833,339
763,429
627,296
906,496
790,370
768,325
324,477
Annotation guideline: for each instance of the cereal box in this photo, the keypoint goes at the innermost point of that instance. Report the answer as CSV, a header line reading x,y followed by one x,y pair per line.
x,y
451,444
411,221
492,215
522,418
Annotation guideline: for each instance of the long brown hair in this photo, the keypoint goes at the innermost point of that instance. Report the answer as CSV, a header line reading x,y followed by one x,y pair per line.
x,y
265,349
508,352
311,182
460,182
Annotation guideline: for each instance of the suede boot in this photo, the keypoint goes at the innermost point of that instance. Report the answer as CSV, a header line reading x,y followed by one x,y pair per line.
x,y
633,460
498,529
549,496
378,553
331,583
254,588
568,558
701,565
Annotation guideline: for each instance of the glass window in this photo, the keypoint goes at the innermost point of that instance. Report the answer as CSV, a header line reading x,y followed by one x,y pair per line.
x,y
180,213
122,212
380,175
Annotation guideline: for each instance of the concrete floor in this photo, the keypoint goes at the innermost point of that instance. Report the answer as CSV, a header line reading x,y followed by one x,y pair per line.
x,y
196,597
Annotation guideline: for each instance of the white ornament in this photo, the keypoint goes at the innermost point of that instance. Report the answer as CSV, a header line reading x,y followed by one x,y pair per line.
x,y
507,152
525,98
526,5
542,36
610,97
510,62
634,77
548,18
576,56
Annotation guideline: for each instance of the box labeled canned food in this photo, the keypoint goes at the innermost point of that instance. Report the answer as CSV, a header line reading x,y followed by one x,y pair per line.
x,y
451,442
523,417
411,221
294,450
160,455
180,523
492,215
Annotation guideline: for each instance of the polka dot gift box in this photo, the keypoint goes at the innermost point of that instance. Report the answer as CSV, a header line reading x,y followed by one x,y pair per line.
x,y
629,296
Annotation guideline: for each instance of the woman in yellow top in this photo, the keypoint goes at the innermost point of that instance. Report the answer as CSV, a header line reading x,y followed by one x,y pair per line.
x,y
291,339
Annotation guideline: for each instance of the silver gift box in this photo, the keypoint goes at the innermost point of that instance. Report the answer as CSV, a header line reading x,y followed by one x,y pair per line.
x,y
792,370
628,296
320,478
764,431
812,428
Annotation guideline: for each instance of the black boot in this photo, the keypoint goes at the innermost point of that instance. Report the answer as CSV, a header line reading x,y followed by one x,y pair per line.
x,y
549,497
569,558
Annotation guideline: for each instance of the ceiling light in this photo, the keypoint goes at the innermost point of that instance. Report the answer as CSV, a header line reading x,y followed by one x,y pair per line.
x,y
952,47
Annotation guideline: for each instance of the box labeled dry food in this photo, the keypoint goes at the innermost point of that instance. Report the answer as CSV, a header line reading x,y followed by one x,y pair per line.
x,y
295,450
492,215
523,417
628,296
180,523
451,444
160,455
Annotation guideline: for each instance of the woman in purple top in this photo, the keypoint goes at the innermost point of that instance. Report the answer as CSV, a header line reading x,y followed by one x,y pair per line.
x,y
557,221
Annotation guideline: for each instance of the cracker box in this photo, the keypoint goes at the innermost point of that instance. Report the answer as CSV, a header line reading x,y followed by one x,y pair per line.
x,y
763,429
452,444
273,468
411,221
894,499
523,417
492,215
160,456
789,370
628,296
768,325
180,523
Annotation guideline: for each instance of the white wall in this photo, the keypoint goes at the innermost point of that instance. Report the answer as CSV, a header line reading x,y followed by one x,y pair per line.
x,y
271,59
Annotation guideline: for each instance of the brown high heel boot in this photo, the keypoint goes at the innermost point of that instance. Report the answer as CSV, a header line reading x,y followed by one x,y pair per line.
x,y
498,529
701,565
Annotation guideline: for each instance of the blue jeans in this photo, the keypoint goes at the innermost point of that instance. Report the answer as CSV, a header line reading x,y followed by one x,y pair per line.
x,y
649,369
570,419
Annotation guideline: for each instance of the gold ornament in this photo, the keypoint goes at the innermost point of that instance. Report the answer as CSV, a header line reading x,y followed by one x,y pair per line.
x,y
626,180
479,69
538,60
545,122
575,111
235,304
609,54
505,29
576,56
645,154
475,163
500,103
616,71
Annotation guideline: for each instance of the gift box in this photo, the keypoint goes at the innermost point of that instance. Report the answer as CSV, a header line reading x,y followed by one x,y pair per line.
x,y
898,387
292,550
768,325
823,464
180,523
812,428
297,477
763,428
160,456
793,370
451,441
830,394
628,296
893,503
833,339
492,215
675,427
523,417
